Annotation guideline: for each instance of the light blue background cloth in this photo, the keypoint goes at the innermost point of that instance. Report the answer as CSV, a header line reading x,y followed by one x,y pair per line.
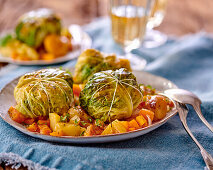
x,y
187,61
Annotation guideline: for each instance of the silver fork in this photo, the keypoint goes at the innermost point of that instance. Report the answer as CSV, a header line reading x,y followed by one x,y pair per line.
x,y
183,112
187,97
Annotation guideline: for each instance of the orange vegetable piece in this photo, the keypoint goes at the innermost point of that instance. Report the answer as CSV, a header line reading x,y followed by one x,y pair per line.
x,y
145,124
33,127
48,56
44,129
76,89
44,122
141,120
16,115
57,45
57,134
131,129
125,124
145,113
160,108
29,121
89,131
133,124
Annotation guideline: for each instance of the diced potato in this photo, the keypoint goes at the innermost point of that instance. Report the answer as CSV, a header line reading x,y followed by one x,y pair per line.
x,y
118,127
141,120
54,119
69,129
89,131
57,134
73,111
75,120
115,127
109,130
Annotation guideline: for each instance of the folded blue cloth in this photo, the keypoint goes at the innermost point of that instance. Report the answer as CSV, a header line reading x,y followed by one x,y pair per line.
x,y
188,62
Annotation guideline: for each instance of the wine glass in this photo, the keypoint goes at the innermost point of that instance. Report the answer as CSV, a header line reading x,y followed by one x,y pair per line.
x,y
154,38
128,24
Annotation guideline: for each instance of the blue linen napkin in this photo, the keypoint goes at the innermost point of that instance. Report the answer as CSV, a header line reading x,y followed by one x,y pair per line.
x,y
187,61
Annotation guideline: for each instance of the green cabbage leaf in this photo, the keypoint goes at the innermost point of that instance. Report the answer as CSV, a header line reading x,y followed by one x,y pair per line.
x,y
111,95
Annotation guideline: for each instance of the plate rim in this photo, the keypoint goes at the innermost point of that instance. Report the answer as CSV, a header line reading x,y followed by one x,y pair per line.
x,y
77,139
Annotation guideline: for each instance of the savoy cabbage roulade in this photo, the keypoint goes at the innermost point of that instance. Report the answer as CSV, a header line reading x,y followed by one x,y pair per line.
x,y
35,25
45,91
111,95
92,61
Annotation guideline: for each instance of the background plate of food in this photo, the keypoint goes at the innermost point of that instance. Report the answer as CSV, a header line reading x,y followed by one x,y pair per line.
x,y
40,39
100,100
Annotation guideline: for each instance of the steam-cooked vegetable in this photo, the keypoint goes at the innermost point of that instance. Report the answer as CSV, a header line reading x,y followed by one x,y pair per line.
x,y
42,92
92,61
111,95
35,25
18,50
57,45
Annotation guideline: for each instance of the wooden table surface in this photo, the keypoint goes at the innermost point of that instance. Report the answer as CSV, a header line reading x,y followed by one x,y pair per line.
x,y
182,17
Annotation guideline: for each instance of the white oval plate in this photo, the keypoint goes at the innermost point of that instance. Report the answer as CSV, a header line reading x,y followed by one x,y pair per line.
x,y
81,41
161,84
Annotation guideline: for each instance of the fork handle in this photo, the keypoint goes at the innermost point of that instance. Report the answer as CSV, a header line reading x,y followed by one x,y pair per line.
x,y
197,109
206,156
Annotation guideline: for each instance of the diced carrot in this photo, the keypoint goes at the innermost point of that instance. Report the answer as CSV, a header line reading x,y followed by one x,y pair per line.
x,y
125,124
44,129
33,127
131,129
58,134
76,89
29,121
133,124
141,120
44,122
145,113
145,124
48,56
16,115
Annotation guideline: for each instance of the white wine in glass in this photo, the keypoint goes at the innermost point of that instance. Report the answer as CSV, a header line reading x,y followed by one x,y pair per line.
x,y
128,20
157,13
154,38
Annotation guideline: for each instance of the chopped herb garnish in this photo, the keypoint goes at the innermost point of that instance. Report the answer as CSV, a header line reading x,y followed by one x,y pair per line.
x,y
90,120
61,68
83,123
68,71
97,122
82,133
76,121
149,87
65,118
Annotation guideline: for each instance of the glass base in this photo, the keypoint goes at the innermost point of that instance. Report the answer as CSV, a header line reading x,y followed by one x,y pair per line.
x,y
136,62
154,39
